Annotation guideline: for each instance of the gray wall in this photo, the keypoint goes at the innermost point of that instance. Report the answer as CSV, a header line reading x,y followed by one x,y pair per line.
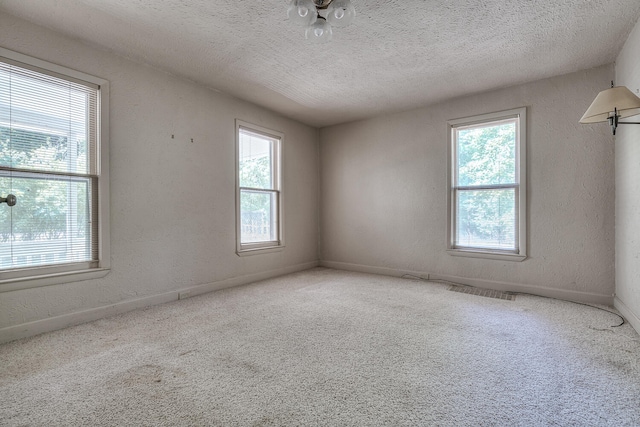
x,y
628,189
383,192
173,201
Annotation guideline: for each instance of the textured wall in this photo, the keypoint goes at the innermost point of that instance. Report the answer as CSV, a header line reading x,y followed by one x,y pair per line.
x,y
383,190
173,201
628,187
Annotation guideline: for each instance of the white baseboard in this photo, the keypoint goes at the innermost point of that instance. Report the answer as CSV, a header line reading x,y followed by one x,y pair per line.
x,y
29,329
577,296
629,315
25,330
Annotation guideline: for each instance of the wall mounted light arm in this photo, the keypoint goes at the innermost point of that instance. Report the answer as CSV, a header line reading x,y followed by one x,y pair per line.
x,y
611,105
614,121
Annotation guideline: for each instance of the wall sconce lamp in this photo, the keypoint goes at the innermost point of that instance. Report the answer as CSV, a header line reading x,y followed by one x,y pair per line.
x,y
611,105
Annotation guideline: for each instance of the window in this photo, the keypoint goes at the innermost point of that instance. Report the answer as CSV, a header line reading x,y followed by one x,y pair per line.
x,y
259,194
52,159
487,186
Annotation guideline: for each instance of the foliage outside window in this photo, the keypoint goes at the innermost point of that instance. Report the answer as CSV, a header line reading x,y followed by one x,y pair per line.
x,y
50,159
487,185
259,206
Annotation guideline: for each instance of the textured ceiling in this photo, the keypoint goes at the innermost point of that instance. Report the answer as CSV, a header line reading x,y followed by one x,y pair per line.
x,y
398,54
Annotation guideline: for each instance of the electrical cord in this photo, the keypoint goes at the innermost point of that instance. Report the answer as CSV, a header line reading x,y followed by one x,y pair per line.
x,y
622,319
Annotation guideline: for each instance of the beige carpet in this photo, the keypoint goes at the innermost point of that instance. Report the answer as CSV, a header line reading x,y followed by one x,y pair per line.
x,y
331,348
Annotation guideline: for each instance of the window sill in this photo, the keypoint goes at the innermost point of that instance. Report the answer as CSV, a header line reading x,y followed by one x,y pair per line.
x,y
503,256
19,283
257,251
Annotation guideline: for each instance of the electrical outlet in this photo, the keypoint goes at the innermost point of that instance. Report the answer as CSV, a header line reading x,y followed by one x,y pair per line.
x,y
184,294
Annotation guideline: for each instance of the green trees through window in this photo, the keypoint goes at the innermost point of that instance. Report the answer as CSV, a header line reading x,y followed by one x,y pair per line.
x,y
486,156
52,210
486,197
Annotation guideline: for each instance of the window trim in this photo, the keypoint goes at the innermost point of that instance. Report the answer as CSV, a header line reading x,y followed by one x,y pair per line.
x,y
520,189
244,249
72,272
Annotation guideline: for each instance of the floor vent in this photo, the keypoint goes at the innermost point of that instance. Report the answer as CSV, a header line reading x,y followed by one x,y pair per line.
x,y
489,293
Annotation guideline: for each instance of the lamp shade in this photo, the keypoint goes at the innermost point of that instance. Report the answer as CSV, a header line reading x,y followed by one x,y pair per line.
x,y
340,13
319,32
302,12
616,98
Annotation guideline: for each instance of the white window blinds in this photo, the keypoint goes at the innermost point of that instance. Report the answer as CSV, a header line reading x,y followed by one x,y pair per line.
x,y
48,160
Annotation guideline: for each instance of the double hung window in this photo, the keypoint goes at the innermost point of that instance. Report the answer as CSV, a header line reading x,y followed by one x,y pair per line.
x,y
259,195
487,207
51,163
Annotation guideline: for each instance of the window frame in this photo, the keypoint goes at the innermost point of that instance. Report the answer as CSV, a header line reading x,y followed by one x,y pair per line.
x,y
520,188
243,249
29,277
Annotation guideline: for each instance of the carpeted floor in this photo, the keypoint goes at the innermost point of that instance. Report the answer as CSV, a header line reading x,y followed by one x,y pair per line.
x,y
331,348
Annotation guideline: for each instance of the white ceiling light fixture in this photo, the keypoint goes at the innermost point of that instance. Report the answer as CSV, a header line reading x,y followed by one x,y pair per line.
x,y
611,105
319,16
